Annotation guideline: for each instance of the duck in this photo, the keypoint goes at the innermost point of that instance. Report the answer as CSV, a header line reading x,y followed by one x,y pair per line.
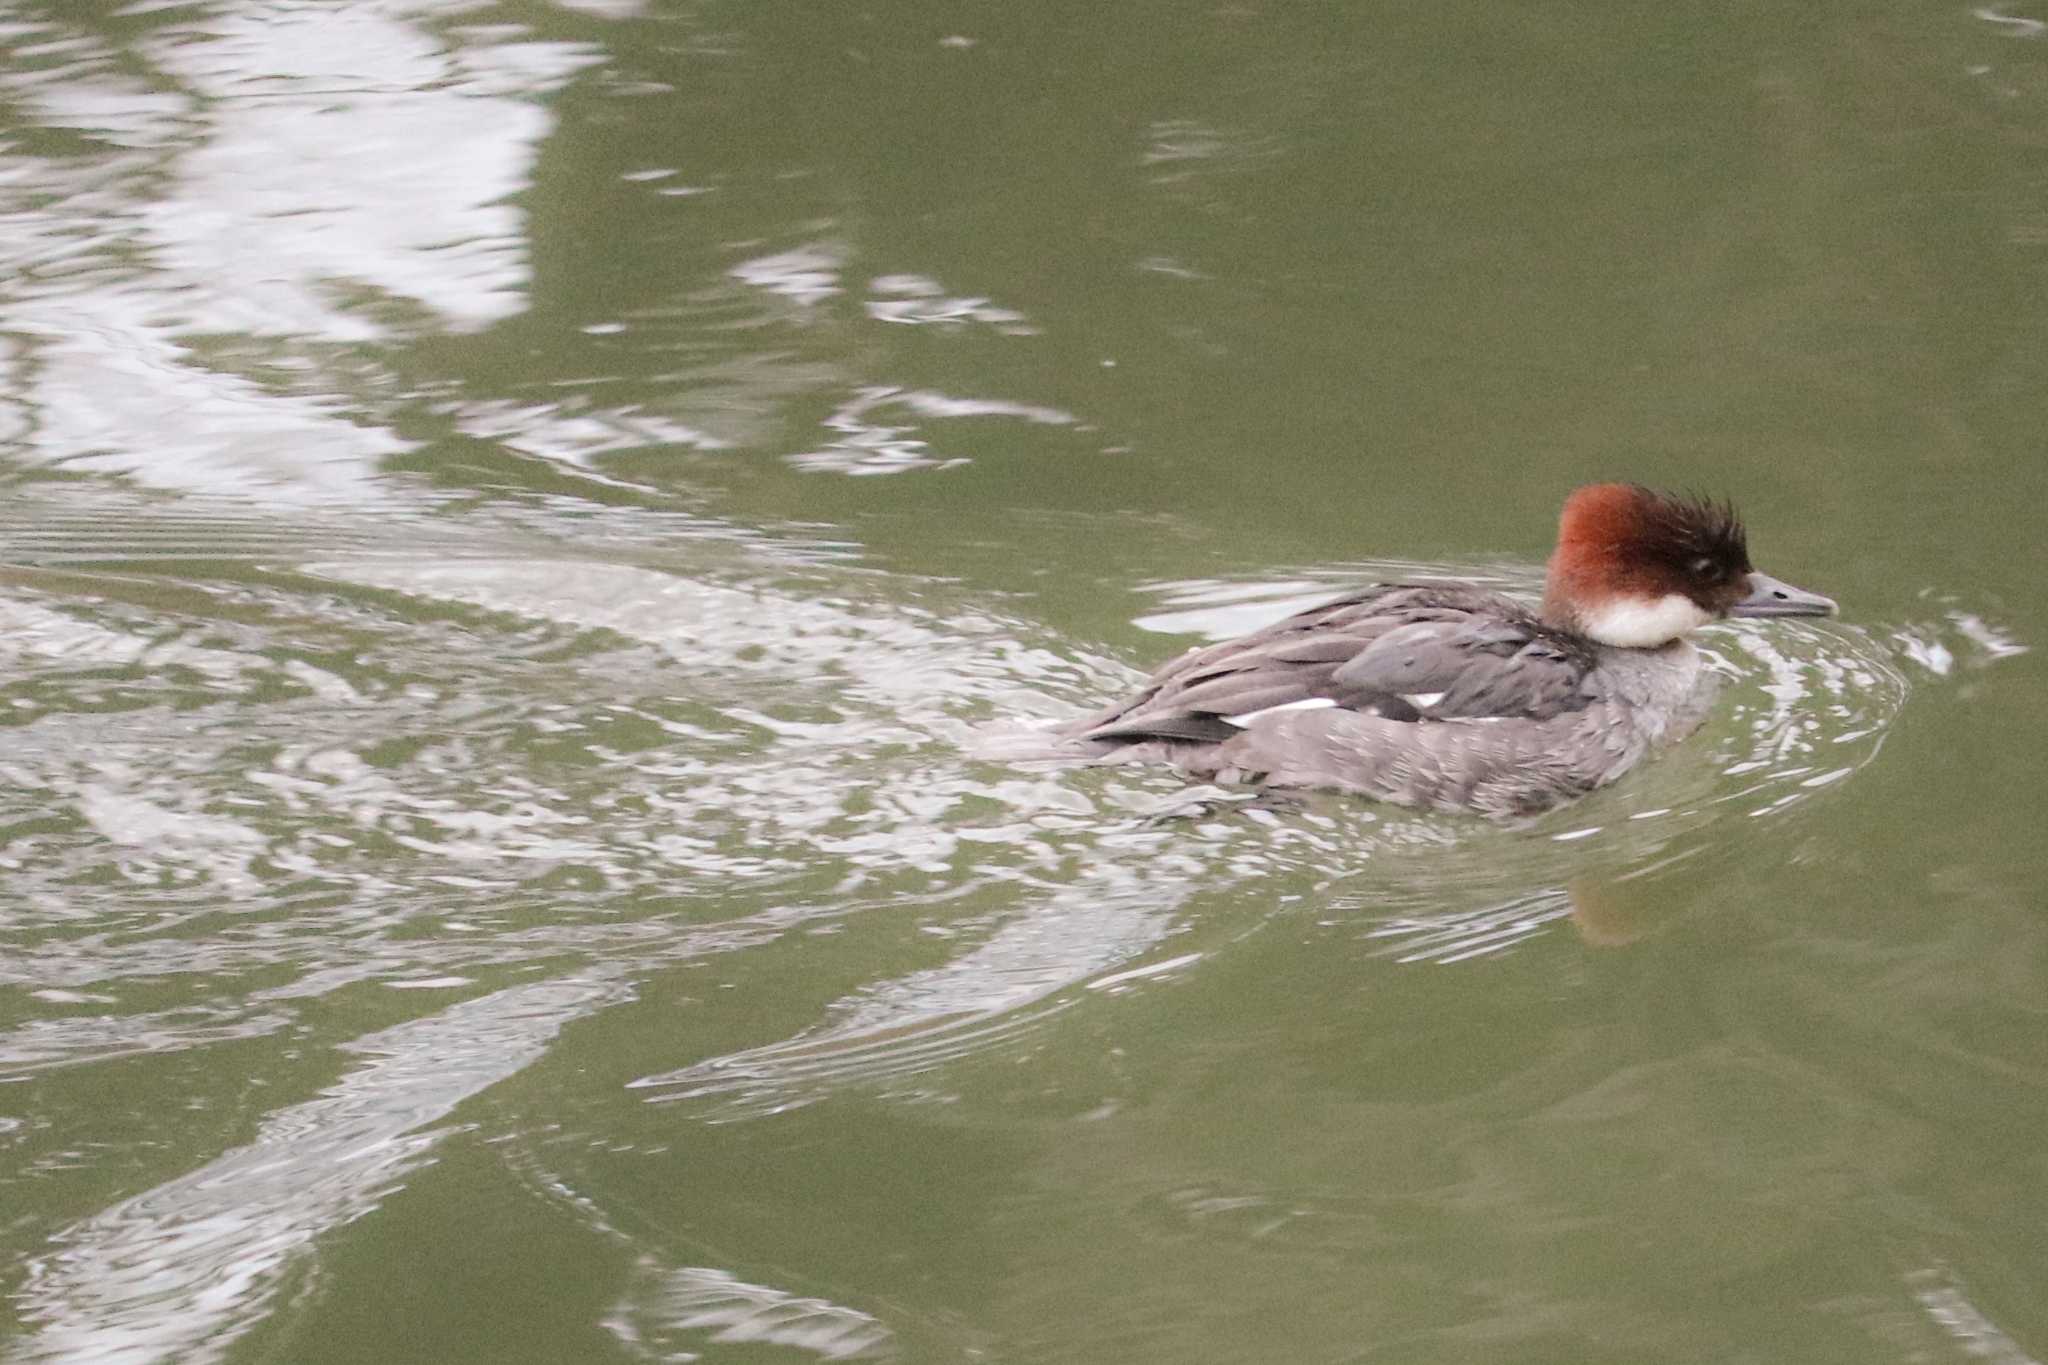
x,y
1448,696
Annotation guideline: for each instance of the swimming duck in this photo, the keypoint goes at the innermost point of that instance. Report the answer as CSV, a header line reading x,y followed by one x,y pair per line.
x,y
1453,697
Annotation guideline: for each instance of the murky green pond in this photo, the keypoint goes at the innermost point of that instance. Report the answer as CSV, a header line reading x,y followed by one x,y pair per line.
x,y
513,517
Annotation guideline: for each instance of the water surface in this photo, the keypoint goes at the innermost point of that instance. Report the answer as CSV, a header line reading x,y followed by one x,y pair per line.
x,y
516,515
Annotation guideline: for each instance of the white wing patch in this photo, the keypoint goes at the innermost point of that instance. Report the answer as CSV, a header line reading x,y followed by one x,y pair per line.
x,y
1305,704
1422,701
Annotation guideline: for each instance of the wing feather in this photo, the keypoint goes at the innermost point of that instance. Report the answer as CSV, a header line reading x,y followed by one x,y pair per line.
x,y
1417,653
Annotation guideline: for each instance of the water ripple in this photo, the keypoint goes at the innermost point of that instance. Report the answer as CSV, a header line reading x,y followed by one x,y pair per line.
x,y
180,1271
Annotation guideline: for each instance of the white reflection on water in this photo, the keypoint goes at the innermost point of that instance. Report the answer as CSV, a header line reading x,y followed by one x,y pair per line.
x,y
1181,148
882,428
41,1044
866,445
915,301
577,437
116,396
2015,25
1941,1297
877,679
807,275
178,1272
813,731
917,1023
349,142
321,172
665,1309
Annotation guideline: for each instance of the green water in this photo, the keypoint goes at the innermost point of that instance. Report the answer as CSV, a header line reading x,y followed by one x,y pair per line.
x,y
515,517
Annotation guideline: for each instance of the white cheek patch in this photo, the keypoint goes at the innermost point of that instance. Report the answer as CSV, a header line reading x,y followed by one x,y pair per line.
x,y
1306,704
1639,623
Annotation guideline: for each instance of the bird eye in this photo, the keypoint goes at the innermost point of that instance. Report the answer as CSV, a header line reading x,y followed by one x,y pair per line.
x,y
1702,566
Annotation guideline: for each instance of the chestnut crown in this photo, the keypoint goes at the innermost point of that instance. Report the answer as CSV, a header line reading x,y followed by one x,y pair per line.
x,y
1638,568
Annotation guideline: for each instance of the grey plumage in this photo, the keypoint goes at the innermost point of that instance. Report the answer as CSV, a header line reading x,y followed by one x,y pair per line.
x,y
1426,695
